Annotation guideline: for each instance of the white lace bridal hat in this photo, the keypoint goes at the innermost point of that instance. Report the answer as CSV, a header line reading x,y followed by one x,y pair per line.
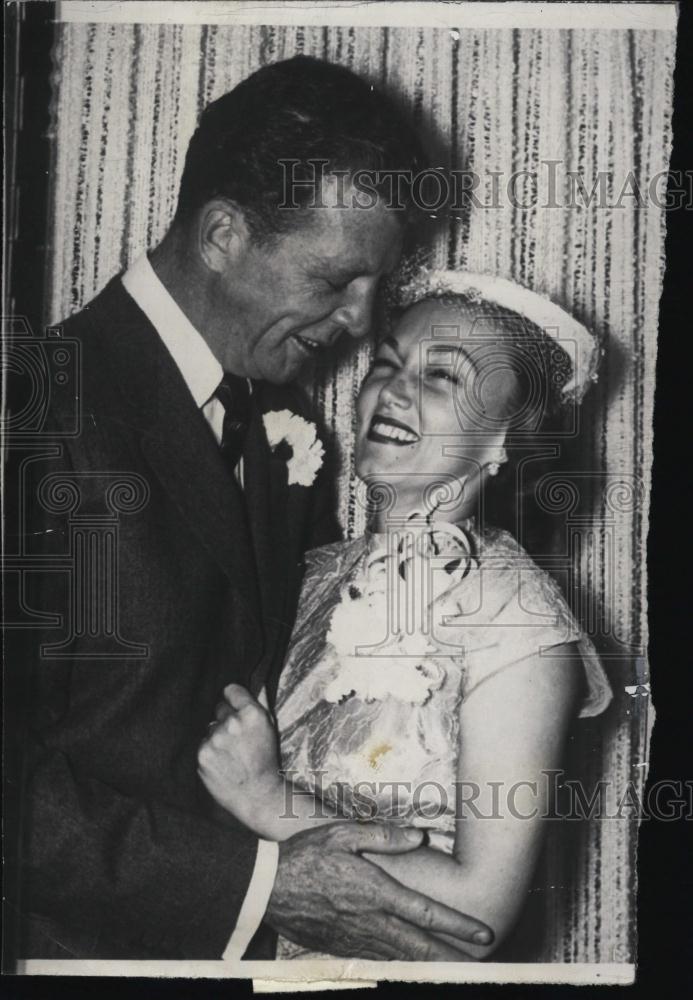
x,y
578,343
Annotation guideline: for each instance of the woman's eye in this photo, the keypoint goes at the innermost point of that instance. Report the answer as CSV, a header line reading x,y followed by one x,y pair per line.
x,y
443,374
381,365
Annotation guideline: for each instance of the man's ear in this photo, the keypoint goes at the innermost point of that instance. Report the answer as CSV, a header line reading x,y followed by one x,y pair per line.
x,y
223,234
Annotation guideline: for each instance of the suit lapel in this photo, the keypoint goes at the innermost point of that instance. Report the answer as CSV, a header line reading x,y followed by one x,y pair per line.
x,y
255,535
266,489
186,459
277,514
177,442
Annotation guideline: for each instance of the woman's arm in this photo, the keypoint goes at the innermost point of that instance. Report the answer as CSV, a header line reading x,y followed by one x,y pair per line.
x,y
512,730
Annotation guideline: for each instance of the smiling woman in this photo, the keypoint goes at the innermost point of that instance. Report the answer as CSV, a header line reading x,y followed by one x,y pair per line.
x,y
444,390
432,651
411,409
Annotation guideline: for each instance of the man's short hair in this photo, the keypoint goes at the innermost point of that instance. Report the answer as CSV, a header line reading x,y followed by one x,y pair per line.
x,y
301,109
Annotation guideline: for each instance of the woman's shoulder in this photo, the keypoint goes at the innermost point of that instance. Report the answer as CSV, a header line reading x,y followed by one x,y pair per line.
x,y
509,573
502,548
521,610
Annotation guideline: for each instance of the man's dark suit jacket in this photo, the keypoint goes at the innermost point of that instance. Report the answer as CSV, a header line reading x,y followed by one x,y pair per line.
x,y
120,850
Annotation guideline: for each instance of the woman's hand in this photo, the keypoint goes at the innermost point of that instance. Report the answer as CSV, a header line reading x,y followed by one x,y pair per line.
x,y
238,762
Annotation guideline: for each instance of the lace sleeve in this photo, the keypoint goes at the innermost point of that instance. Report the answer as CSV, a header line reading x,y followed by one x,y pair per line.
x,y
513,610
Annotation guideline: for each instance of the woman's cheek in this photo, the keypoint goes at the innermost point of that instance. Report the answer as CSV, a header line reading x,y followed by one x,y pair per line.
x,y
435,415
365,406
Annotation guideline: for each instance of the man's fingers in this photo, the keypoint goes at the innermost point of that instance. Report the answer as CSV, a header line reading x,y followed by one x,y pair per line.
x,y
433,916
238,697
410,944
380,838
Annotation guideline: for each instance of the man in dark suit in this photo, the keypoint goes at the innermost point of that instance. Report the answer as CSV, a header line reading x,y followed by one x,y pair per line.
x,y
183,541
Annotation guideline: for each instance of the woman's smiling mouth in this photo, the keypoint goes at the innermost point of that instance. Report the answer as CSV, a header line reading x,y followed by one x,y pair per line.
x,y
385,430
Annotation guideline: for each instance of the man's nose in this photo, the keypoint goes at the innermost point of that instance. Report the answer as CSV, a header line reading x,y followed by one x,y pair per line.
x,y
356,312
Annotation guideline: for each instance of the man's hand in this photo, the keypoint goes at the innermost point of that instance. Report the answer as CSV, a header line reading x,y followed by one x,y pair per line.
x,y
328,898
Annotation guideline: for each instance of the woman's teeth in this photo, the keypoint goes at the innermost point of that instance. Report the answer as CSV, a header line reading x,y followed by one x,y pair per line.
x,y
393,433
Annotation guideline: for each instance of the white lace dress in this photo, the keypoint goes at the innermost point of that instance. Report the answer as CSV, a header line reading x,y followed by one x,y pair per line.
x,y
392,633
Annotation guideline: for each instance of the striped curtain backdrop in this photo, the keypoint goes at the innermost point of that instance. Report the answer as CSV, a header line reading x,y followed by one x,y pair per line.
x,y
126,100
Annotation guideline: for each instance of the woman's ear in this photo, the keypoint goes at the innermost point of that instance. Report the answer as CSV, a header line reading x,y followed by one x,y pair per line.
x,y
496,455
223,234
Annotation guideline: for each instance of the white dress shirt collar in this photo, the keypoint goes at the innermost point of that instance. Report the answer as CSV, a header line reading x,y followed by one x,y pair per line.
x,y
188,348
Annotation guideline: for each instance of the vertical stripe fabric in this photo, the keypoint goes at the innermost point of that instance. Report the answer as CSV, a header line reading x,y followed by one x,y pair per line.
x,y
526,109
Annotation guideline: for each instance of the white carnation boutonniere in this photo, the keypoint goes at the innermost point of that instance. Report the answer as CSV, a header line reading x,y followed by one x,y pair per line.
x,y
283,426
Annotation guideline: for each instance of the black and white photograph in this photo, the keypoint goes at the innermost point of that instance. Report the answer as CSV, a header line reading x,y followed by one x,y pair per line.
x,y
330,336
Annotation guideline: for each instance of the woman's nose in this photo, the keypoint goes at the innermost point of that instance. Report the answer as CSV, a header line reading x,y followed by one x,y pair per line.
x,y
356,312
398,391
